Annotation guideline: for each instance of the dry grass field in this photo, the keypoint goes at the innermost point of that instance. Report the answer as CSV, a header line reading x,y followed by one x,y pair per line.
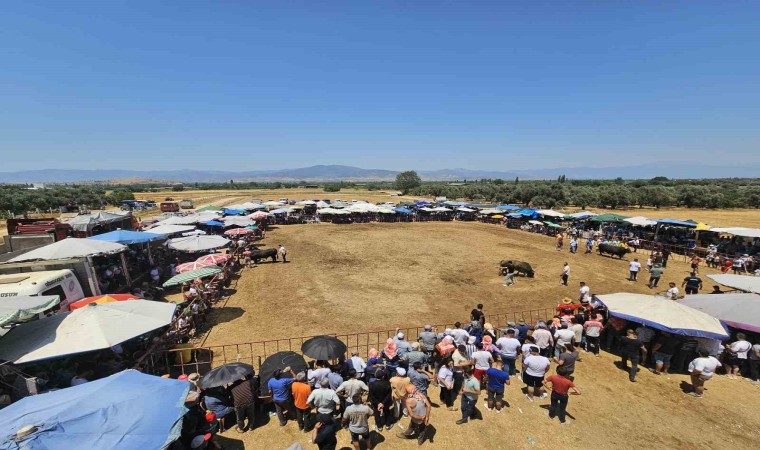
x,y
749,218
363,277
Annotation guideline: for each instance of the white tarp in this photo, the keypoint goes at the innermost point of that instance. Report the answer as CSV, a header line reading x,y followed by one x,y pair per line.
x,y
71,248
441,209
737,310
640,221
464,209
94,327
550,213
238,221
332,211
180,220
491,211
306,202
86,222
742,282
582,214
273,203
170,229
663,314
737,231
197,243
535,222
322,204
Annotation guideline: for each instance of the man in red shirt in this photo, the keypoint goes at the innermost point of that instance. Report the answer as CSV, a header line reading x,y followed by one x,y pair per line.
x,y
561,387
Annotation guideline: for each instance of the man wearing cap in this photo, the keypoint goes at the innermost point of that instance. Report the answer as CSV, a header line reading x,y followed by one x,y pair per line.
x,y
324,399
428,339
522,330
415,355
401,343
301,392
398,384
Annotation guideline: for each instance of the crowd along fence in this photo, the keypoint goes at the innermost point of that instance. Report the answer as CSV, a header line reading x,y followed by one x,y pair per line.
x,y
200,359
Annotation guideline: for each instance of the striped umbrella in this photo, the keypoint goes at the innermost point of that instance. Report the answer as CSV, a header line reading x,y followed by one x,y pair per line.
x,y
214,258
108,298
190,276
195,265
259,215
238,232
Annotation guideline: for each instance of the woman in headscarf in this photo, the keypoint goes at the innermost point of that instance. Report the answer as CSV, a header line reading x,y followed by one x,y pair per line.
x,y
489,331
390,355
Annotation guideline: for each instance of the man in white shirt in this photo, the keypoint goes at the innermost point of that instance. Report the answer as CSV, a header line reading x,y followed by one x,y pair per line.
x,y
584,293
672,293
737,355
634,268
543,338
283,253
535,367
482,361
460,336
701,370
565,274
508,347
562,337
358,364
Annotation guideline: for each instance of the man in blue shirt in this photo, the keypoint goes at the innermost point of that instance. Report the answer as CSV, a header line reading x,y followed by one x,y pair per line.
x,y
522,330
496,378
279,389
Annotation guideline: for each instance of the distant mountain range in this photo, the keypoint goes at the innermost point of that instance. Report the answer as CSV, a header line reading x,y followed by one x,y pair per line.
x,y
323,173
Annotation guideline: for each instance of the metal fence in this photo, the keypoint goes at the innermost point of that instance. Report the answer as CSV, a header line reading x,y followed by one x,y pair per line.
x,y
189,359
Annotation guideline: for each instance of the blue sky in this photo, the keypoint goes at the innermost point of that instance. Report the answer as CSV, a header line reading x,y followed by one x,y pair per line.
x,y
393,84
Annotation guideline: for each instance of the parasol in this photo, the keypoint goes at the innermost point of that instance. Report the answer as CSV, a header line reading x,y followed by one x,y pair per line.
x,y
323,347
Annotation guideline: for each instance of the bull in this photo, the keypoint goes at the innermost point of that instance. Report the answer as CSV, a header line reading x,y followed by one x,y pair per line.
x,y
613,250
256,255
521,267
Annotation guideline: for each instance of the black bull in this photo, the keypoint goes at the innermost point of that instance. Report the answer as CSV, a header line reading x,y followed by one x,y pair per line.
x,y
256,255
521,267
613,250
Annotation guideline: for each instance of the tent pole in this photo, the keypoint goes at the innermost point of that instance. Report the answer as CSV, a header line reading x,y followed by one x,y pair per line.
x,y
92,277
124,269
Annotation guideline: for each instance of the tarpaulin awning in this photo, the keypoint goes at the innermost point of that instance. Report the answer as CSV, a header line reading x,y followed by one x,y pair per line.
x,y
191,275
181,220
236,221
403,210
16,309
508,207
740,311
99,299
197,243
451,203
552,225
609,217
71,248
86,222
94,327
127,237
582,215
232,212
490,211
213,223
742,282
679,223
465,209
663,314
640,221
551,213
171,229
535,222
738,231
701,226
125,411
515,216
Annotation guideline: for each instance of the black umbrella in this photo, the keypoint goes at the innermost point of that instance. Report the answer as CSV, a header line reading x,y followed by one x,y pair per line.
x,y
226,374
323,347
279,361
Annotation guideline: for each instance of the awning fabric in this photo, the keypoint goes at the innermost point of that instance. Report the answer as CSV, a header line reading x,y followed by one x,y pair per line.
x,y
197,243
740,311
663,314
125,411
86,222
742,282
171,229
16,309
508,207
70,248
679,223
127,237
640,221
191,275
738,231
609,217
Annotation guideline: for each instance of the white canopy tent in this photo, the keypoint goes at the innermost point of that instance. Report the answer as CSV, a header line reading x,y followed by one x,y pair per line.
x,y
199,243
550,213
322,204
328,211
94,327
180,220
170,229
465,209
491,211
71,248
238,221
582,214
663,314
742,282
273,203
738,231
641,221
441,209
536,222
740,311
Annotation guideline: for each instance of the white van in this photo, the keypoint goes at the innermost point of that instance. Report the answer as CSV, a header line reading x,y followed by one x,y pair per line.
x,y
62,283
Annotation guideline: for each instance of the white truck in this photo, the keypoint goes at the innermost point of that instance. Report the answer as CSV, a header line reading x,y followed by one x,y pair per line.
x,y
62,283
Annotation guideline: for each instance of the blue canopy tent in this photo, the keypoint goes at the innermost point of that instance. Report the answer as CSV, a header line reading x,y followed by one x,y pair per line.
x,y
679,223
450,203
127,237
528,213
128,410
508,207
402,210
423,203
213,223
232,212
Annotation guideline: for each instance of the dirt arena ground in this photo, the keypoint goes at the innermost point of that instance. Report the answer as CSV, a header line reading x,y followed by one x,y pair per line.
x,y
363,277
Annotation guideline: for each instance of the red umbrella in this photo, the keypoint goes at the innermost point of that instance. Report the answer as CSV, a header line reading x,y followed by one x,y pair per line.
x,y
238,232
258,215
195,265
214,258
108,298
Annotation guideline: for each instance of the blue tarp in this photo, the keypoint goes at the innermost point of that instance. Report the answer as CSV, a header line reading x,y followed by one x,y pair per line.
x,y
528,212
679,223
128,237
213,223
402,210
129,410
232,212
423,203
508,207
450,203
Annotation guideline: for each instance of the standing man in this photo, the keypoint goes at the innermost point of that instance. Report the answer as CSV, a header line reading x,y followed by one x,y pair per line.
x,y
560,386
573,245
631,348
477,315
664,347
565,274
279,390
301,391
593,329
350,388
419,413
356,416
535,367
283,253
543,339
692,284
589,244
584,293
419,378
496,378
470,393
428,339
509,347
702,369
634,268
324,399
482,360
244,394
654,276
665,256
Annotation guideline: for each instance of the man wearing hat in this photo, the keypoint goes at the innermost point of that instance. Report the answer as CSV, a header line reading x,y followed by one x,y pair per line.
x,y
567,307
522,330
401,343
398,385
428,339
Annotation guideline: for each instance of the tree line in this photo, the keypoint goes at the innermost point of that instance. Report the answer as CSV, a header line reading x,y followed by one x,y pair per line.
x,y
20,199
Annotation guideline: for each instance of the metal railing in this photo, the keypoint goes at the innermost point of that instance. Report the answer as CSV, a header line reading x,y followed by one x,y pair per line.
x,y
201,359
